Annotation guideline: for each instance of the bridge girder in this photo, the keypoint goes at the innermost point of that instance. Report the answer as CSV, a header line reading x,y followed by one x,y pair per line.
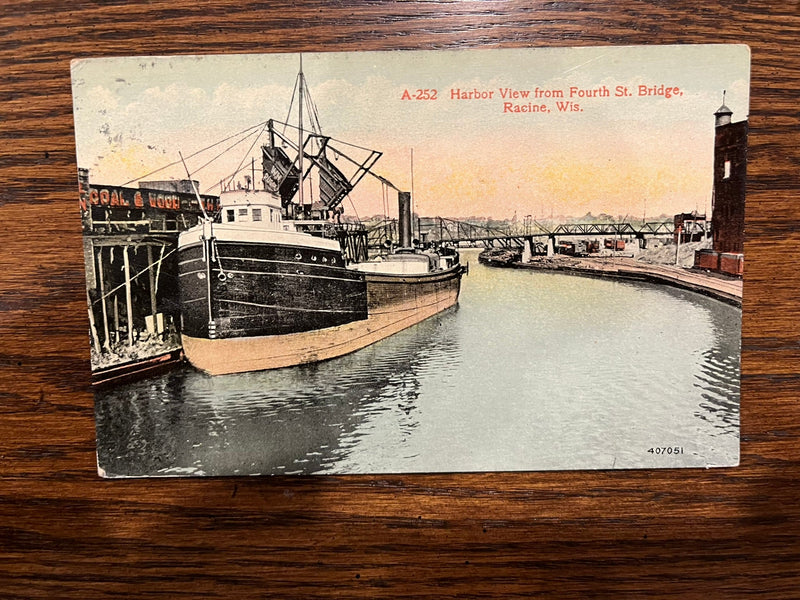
x,y
456,231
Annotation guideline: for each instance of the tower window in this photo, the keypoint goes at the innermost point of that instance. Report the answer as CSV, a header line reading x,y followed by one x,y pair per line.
x,y
727,172
242,214
256,214
229,215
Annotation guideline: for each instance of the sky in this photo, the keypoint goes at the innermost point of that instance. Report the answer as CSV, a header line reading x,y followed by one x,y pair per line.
x,y
638,154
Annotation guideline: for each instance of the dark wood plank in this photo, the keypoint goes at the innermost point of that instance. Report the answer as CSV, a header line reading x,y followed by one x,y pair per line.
x,y
689,533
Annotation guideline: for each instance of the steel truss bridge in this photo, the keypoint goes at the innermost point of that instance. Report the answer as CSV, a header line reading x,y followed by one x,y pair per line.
x,y
384,233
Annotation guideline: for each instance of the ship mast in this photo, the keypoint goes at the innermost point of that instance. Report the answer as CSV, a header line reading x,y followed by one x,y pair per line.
x,y
287,175
300,131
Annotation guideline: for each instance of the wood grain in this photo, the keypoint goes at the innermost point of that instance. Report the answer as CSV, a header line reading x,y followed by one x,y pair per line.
x,y
64,533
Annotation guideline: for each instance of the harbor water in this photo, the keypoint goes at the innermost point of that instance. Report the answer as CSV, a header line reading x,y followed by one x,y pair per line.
x,y
531,371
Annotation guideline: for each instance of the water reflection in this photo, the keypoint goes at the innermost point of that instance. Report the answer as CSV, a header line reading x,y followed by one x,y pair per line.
x,y
294,420
532,371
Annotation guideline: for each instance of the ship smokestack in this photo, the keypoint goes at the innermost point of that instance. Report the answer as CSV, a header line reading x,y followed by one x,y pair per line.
x,y
404,220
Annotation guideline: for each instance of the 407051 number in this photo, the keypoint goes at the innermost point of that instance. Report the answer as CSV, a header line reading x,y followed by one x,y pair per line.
x,y
666,450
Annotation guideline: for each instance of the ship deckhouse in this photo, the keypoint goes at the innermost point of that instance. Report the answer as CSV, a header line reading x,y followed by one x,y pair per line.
x,y
254,216
252,208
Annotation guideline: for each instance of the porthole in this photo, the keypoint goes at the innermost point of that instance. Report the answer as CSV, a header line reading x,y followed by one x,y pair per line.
x,y
333,261
298,256
314,258
324,259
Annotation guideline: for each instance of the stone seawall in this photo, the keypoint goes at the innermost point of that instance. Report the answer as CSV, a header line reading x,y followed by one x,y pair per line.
x,y
727,289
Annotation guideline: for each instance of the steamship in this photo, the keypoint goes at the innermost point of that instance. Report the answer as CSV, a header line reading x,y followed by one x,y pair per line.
x,y
266,282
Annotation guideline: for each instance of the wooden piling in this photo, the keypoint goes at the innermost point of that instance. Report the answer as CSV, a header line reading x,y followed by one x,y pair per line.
x,y
128,295
152,280
92,325
116,318
102,287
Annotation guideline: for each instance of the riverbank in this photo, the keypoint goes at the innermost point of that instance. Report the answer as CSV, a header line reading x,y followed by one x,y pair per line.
x,y
721,287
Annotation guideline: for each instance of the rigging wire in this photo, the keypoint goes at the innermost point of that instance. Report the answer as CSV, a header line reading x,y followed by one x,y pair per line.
x,y
385,200
355,212
177,162
250,131
196,193
198,169
313,114
250,149
291,104
385,207
332,139
220,184
145,270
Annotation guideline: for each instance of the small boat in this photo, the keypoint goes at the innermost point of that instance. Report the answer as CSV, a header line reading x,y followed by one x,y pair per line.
x,y
269,282
500,257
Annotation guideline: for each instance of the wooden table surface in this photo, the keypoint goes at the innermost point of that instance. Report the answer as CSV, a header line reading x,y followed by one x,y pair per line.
x,y
65,533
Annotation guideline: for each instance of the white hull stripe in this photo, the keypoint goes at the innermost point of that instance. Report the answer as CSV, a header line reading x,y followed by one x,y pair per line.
x,y
277,275
276,239
265,260
289,308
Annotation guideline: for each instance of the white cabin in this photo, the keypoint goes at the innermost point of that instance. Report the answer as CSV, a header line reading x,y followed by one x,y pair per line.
x,y
253,216
252,208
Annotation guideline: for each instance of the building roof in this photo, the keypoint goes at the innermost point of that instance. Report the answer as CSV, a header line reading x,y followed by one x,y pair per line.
x,y
723,110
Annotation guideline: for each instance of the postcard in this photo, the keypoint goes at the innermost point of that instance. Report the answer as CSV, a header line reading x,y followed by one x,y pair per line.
x,y
414,261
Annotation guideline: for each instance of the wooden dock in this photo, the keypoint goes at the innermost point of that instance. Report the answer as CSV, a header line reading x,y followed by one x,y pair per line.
x,y
138,369
727,289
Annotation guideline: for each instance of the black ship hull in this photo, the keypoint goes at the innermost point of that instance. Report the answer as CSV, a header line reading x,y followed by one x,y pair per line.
x,y
258,289
396,302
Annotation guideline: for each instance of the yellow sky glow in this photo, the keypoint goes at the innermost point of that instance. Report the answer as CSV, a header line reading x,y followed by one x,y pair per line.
x,y
629,155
